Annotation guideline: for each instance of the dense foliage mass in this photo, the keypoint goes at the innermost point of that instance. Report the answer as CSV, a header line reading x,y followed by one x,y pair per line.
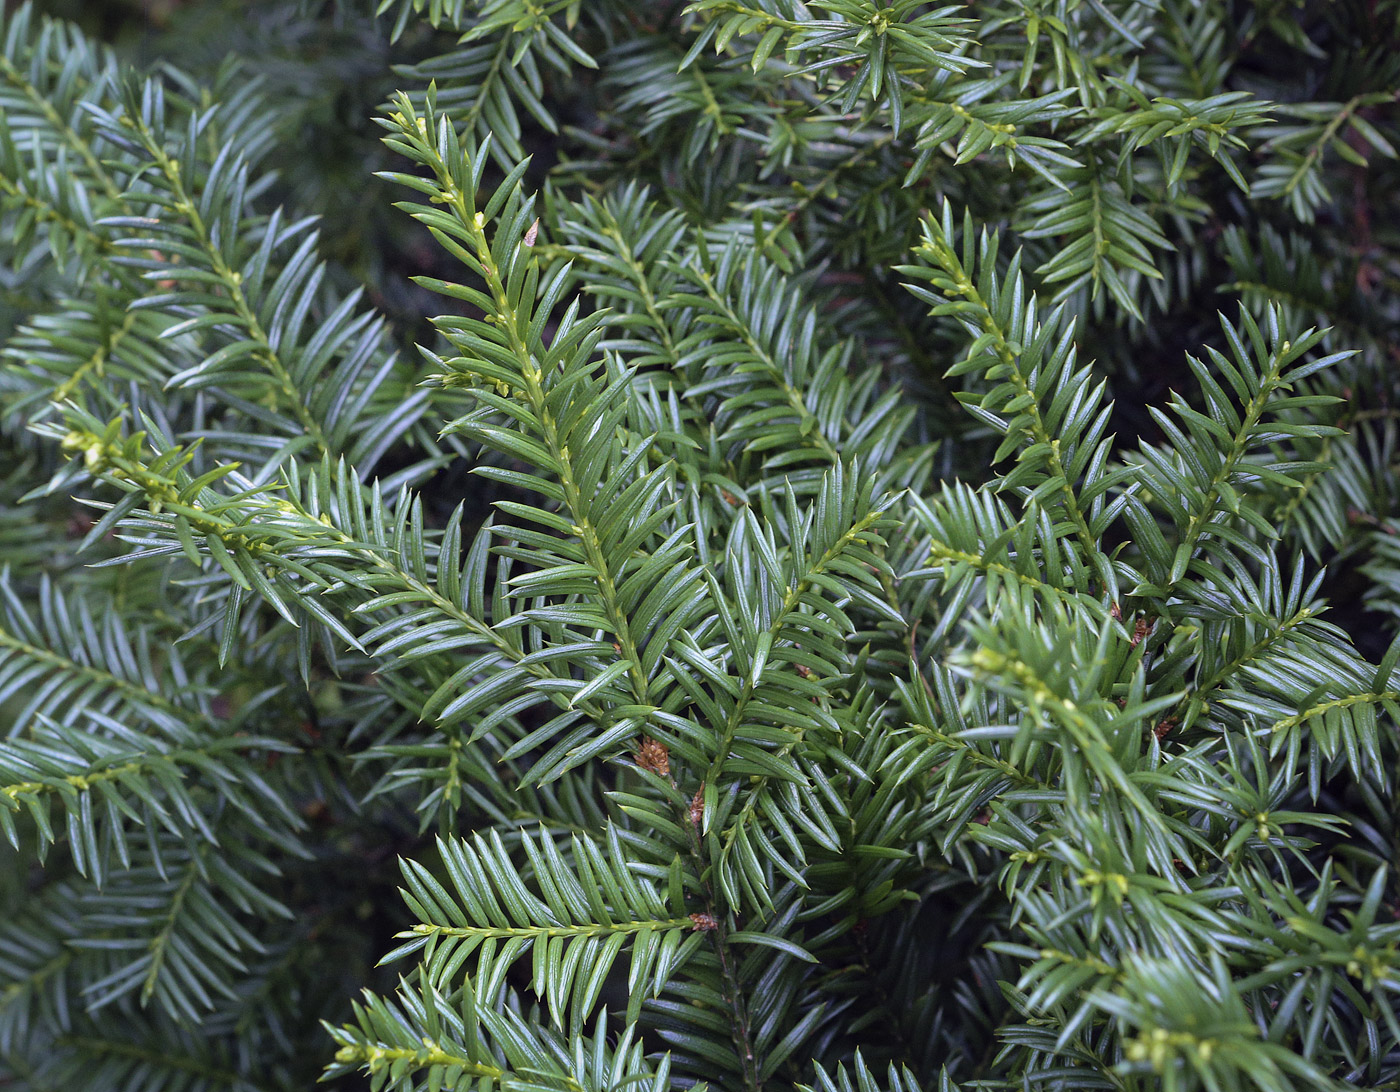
x,y
837,599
